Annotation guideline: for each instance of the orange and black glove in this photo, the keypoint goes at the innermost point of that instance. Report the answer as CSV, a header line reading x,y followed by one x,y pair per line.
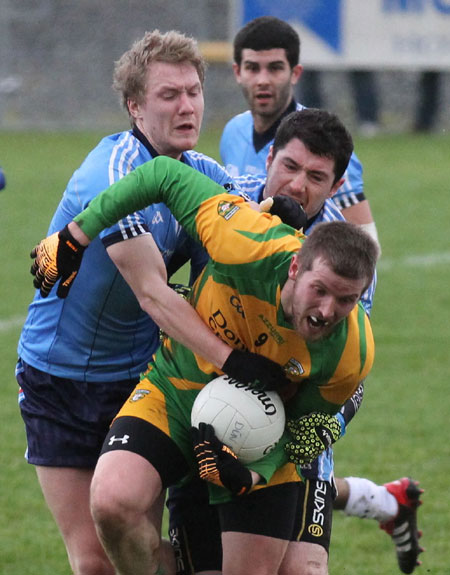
x,y
217,463
56,257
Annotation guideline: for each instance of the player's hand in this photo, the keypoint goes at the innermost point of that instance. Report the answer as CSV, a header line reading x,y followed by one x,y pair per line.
x,y
311,435
217,463
255,369
287,209
58,256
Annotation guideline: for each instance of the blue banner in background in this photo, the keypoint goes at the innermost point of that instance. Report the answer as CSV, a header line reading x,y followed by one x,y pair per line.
x,y
323,17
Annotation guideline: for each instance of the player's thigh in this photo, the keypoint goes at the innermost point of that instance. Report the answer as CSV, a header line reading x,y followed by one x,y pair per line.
x,y
251,554
314,513
66,493
256,529
194,529
307,553
124,483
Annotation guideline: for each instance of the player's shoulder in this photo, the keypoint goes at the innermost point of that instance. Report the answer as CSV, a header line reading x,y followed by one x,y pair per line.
x,y
111,159
299,107
117,154
238,123
330,212
251,185
205,164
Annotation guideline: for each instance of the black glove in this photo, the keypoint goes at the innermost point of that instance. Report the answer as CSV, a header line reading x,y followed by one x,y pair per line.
x,y
58,256
311,435
289,211
251,368
217,463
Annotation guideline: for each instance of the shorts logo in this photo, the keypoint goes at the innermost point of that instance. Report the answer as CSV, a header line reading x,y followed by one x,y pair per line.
x,y
315,530
139,394
122,440
227,210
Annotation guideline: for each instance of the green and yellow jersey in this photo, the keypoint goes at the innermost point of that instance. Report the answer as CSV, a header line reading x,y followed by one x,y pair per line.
x,y
238,295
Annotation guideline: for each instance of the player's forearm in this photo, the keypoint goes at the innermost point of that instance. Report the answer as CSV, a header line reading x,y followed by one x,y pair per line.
x,y
176,317
350,407
141,265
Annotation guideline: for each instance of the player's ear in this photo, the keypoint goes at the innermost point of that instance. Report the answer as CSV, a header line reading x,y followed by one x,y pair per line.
x,y
237,72
296,73
293,267
336,187
133,108
269,158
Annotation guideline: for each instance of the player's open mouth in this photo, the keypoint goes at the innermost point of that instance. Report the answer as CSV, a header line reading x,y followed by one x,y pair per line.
x,y
185,127
317,322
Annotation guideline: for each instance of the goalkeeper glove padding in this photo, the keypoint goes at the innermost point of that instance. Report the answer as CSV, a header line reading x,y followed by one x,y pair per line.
x,y
311,435
58,256
252,368
217,463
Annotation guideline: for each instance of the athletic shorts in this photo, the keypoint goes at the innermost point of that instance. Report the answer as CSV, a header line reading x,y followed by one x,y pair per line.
x,y
292,511
66,421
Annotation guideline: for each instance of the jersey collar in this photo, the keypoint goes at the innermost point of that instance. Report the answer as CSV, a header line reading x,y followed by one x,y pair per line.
x,y
143,139
261,140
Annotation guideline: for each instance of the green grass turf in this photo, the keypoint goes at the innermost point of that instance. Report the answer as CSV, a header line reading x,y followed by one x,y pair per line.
x,y
402,428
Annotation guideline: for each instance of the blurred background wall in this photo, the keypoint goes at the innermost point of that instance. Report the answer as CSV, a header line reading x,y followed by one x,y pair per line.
x,y
56,63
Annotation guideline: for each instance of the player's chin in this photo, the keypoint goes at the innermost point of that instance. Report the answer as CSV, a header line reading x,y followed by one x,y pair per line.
x,y
312,333
186,141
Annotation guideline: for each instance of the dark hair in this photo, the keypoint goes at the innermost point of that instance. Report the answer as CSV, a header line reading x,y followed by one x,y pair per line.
x,y
266,33
347,248
322,133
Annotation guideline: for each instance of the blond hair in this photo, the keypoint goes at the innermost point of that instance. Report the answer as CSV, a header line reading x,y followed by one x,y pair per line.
x,y
130,71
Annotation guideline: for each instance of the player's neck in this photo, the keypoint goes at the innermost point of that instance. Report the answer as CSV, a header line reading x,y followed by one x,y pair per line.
x,y
263,123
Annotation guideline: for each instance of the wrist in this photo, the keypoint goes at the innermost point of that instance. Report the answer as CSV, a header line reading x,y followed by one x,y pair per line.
x,y
341,420
256,478
78,234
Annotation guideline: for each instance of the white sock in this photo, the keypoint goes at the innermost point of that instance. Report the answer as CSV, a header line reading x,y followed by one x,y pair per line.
x,y
370,501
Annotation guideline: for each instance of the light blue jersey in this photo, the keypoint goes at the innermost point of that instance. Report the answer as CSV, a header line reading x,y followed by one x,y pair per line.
x,y
99,332
253,187
239,156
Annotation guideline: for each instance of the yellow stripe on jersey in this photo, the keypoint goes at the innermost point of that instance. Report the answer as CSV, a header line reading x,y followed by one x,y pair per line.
x,y
256,237
349,371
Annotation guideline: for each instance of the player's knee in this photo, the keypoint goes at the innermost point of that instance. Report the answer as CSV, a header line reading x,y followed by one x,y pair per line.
x,y
110,508
314,567
91,564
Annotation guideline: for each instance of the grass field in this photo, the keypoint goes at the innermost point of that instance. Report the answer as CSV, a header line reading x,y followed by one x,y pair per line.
x,y
402,428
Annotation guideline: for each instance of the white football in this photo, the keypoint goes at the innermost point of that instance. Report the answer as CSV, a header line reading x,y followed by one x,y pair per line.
x,y
248,421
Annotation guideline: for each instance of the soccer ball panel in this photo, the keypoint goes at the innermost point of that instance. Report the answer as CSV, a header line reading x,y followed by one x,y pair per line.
x,y
248,421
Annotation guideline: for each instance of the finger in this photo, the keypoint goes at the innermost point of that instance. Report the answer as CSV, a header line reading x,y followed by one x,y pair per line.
x,y
207,431
266,204
37,283
195,435
63,288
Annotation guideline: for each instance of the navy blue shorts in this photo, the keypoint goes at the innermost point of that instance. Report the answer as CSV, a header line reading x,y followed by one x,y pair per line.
x,y
66,421
299,511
